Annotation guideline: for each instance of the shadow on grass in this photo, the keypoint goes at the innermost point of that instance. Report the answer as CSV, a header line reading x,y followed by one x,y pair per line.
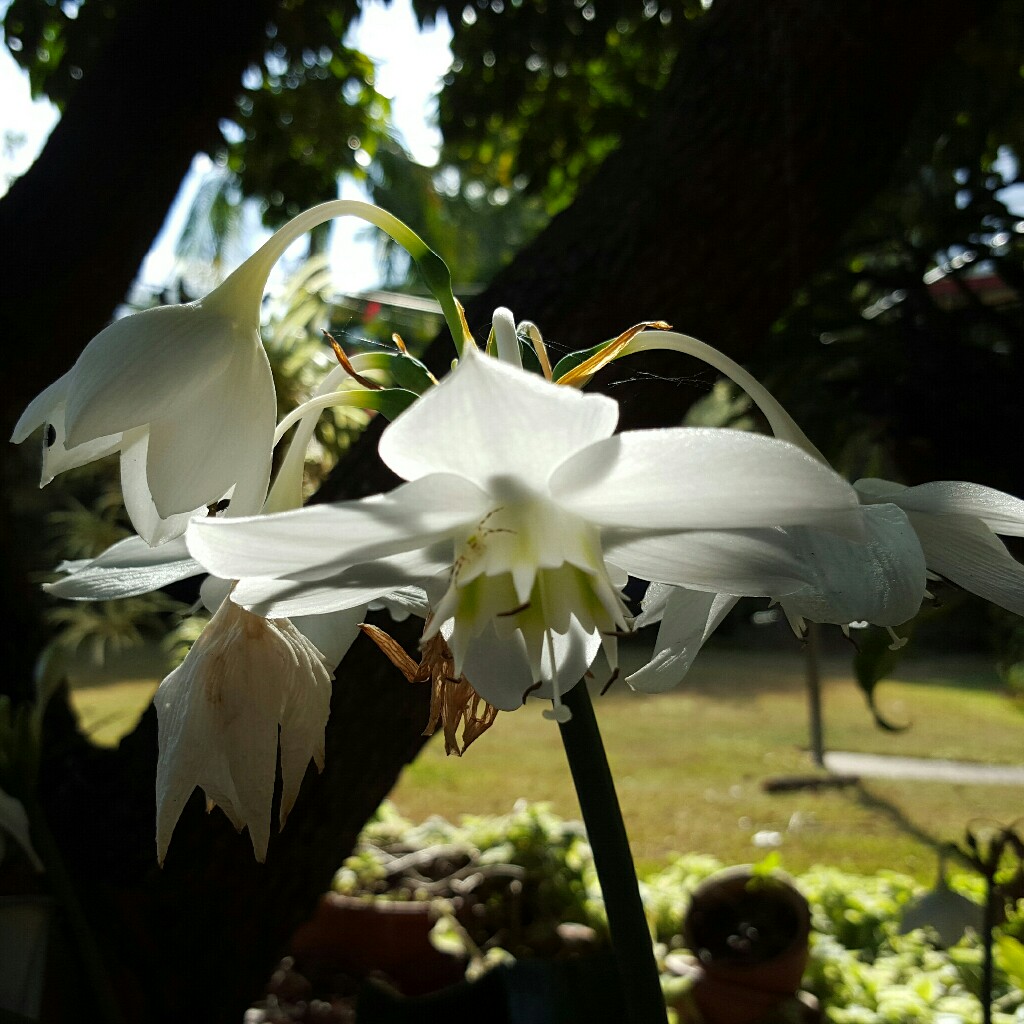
x,y
871,801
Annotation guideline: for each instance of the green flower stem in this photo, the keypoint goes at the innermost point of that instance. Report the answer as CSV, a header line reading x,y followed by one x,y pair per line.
x,y
631,939
248,282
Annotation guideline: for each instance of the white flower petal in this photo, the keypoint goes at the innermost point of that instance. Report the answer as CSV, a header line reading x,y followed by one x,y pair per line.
x,y
219,714
47,411
874,489
320,540
138,368
138,502
403,602
307,704
499,667
214,591
653,605
58,458
881,581
125,569
1001,512
487,419
355,586
966,551
505,335
331,634
752,563
688,618
221,439
696,478
42,408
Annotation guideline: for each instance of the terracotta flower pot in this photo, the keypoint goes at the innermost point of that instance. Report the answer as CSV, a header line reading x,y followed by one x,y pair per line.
x,y
361,936
749,933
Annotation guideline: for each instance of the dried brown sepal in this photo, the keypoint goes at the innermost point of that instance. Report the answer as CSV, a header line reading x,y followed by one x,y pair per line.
x,y
579,375
346,363
454,704
394,651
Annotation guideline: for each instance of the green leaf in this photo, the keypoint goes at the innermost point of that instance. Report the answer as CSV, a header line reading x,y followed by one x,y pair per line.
x,y
390,402
573,359
405,370
873,662
1011,953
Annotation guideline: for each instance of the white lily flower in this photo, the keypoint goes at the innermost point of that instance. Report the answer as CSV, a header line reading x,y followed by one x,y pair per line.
x,y
879,577
517,493
957,524
219,714
161,386
219,711
185,393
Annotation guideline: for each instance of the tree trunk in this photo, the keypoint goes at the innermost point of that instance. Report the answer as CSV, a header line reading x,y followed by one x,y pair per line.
x,y
77,224
780,120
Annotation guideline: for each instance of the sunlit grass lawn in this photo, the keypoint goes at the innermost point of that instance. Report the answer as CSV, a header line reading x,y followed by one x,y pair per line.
x,y
689,764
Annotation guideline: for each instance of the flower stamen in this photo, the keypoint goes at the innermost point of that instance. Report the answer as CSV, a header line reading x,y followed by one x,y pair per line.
x,y
346,365
898,642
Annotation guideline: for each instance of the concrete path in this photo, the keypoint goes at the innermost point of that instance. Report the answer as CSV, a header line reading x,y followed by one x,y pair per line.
x,y
882,766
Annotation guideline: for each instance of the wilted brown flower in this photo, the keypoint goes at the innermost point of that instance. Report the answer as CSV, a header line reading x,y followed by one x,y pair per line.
x,y
453,702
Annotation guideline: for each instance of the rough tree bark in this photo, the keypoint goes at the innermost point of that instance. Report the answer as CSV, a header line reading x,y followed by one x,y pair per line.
x,y
779,121
78,223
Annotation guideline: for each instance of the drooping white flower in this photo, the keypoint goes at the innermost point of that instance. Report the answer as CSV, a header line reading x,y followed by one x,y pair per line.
x,y
957,524
521,515
880,579
185,393
219,713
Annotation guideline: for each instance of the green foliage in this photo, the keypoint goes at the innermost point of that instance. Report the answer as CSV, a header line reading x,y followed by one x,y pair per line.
x,y
106,628
861,968
898,329
304,115
57,43
477,225
540,91
307,116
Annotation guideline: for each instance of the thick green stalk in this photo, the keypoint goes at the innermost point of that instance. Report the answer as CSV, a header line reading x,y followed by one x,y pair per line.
x,y
627,925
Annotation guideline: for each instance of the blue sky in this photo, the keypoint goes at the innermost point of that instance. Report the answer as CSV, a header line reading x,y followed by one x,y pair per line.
x,y
410,67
